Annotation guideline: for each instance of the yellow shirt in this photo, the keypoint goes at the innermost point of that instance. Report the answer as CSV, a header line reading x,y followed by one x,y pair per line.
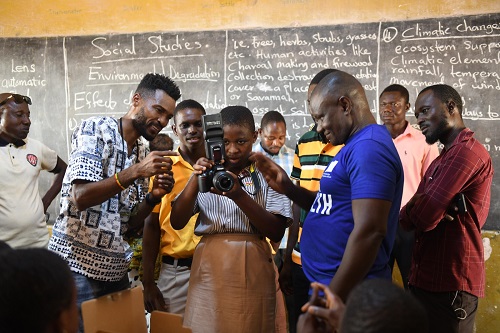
x,y
177,243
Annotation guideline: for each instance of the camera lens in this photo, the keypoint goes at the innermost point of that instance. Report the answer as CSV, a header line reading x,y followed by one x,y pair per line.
x,y
223,181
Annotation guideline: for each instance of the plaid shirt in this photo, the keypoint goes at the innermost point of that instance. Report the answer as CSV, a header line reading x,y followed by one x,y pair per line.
x,y
448,255
283,158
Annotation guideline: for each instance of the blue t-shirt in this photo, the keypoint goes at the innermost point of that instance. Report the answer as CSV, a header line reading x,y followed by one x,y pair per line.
x,y
368,167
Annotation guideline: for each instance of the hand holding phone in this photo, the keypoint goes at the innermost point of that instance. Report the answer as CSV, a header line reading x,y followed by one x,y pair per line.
x,y
461,205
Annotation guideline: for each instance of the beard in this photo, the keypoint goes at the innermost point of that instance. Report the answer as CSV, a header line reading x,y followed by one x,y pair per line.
x,y
434,136
139,123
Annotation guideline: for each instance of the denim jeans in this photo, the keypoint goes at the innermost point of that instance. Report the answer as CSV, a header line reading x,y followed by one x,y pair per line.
x,y
88,288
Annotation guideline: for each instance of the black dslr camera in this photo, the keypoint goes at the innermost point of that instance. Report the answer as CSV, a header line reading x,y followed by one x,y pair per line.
x,y
217,176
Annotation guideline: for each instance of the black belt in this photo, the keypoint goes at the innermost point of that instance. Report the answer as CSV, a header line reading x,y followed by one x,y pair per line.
x,y
186,262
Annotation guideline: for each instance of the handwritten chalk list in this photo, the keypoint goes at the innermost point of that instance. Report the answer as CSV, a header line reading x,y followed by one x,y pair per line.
x,y
72,78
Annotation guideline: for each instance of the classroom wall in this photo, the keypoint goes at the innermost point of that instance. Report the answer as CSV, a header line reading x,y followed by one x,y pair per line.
x,y
24,18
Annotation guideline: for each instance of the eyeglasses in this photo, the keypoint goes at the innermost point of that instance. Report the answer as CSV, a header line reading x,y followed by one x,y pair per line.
x,y
392,105
18,99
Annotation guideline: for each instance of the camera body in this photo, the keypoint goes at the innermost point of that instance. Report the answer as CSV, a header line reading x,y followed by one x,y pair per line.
x,y
215,150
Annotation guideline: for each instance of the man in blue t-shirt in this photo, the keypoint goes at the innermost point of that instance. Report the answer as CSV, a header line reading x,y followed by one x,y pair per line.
x,y
350,228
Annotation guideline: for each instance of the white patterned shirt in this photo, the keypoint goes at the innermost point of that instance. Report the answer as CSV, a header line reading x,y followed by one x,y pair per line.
x,y
91,241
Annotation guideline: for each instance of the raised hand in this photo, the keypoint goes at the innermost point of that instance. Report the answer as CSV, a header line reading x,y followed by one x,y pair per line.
x,y
276,177
163,183
155,163
328,309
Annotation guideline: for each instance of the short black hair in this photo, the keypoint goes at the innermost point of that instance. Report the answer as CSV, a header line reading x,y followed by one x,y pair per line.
x,y
398,88
152,82
445,93
379,306
33,281
238,115
272,117
318,77
161,142
188,104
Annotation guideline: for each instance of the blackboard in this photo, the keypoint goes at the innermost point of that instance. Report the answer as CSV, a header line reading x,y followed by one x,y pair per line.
x,y
71,78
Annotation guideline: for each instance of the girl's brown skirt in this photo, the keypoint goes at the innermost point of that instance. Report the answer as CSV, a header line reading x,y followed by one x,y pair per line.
x,y
232,285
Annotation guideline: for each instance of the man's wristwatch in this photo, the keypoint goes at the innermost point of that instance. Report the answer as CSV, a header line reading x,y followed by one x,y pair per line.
x,y
151,201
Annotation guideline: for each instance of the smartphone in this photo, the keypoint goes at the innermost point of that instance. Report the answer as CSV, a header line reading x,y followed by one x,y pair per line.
x,y
460,201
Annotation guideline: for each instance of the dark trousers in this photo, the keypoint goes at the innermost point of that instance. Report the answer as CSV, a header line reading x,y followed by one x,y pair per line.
x,y
278,258
300,296
448,312
402,252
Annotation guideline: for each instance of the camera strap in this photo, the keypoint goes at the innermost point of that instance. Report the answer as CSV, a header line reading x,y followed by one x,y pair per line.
x,y
255,178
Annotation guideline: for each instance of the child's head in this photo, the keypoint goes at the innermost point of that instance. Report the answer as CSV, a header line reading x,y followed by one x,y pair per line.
x,y
239,136
187,104
188,126
161,142
378,305
37,283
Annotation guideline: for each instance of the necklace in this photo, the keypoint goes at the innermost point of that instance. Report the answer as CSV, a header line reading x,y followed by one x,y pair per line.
x,y
121,134
120,129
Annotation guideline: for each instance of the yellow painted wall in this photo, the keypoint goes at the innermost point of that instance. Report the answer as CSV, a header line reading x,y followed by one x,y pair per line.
x,y
24,18
488,317
35,18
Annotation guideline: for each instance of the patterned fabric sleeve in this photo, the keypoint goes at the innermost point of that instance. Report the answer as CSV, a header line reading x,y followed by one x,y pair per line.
x,y
88,152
